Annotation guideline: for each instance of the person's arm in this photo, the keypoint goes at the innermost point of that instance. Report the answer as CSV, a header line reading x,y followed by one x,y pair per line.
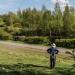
x,y
57,51
48,50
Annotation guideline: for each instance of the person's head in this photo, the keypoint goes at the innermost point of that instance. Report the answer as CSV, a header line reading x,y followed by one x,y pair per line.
x,y
54,45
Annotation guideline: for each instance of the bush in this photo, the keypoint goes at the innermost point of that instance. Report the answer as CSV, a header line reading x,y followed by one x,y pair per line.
x,y
4,35
32,40
19,38
37,40
68,43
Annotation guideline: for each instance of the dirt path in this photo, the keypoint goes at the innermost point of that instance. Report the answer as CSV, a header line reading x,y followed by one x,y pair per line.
x,y
13,44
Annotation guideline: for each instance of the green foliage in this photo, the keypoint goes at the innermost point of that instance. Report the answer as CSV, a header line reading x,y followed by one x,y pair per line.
x,y
2,24
32,40
68,43
58,20
32,22
19,38
4,35
37,40
67,21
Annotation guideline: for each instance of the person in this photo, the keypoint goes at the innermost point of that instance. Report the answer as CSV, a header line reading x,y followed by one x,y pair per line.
x,y
52,51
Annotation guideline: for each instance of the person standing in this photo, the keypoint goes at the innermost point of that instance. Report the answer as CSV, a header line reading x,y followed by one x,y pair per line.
x,y
52,51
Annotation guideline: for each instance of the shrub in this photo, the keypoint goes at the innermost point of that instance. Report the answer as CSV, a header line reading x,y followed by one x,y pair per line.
x,y
37,40
4,35
18,38
32,39
68,43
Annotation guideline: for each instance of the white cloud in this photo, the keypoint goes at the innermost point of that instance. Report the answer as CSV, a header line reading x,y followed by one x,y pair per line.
x,y
6,4
62,3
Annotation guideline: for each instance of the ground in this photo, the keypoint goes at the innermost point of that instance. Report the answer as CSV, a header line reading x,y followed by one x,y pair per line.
x,y
24,59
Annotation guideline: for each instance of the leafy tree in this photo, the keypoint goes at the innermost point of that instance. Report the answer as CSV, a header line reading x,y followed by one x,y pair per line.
x,y
67,22
58,20
46,22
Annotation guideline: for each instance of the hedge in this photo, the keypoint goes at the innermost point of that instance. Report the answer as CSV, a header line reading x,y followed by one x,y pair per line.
x,y
19,38
68,43
37,40
32,40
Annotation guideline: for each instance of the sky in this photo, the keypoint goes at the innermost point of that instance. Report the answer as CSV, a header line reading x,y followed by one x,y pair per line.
x,y
14,5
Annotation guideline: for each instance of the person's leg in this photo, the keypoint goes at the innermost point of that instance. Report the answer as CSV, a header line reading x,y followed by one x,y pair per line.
x,y
51,63
54,62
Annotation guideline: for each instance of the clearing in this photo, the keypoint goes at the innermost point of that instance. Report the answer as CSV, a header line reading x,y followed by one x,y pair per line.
x,y
25,59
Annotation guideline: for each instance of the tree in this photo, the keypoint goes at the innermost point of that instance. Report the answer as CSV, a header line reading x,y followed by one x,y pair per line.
x,y
72,21
57,21
46,19
67,22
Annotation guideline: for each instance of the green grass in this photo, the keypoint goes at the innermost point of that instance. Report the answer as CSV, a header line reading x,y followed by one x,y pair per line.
x,y
16,60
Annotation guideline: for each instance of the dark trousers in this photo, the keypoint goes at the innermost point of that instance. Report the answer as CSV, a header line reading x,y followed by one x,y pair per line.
x,y
52,62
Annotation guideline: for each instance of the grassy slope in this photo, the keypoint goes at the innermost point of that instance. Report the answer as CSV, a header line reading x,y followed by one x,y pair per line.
x,y
25,61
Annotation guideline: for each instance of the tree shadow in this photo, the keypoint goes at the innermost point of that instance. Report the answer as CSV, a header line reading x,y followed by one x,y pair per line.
x,y
22,69
30,69
66,71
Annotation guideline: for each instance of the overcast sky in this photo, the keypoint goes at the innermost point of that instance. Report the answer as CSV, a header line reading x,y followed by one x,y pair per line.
x,y
14,5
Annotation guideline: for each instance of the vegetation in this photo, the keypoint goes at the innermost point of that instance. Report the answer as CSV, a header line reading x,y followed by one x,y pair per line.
x,y
37,40
68,43
37,27
17,60
44,22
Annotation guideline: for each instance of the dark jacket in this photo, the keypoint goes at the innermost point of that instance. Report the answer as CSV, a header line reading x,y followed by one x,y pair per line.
x,y
53,51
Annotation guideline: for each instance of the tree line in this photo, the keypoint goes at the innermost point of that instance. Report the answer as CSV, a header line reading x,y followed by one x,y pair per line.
x,y
32,22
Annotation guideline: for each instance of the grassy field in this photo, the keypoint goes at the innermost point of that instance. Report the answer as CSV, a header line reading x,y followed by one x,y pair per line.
x,y
16,60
